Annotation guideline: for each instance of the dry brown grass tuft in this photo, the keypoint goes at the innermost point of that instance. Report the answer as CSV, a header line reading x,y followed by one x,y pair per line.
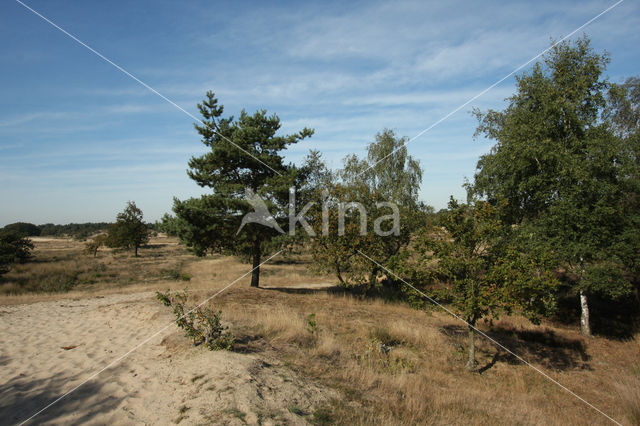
x,y
628,392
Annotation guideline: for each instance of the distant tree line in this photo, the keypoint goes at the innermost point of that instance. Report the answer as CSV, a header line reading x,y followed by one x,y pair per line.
x,y
76,230
128,232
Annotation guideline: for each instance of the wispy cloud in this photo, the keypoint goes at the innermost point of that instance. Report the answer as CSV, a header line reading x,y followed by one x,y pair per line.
x,y
431,98
118,109
18,120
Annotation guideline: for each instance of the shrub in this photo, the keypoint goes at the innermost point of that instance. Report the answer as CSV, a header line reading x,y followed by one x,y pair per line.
x,y
312,325
14,248
163,298
92,246
175,274
59,283
201,325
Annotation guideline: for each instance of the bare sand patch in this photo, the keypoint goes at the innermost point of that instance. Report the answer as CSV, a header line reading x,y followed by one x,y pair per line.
x,y
49,347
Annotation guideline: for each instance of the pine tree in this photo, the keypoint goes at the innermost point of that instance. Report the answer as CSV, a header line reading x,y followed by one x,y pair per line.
x,y
245,155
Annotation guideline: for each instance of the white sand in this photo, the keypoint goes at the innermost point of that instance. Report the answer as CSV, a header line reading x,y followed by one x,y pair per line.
x,y
164,382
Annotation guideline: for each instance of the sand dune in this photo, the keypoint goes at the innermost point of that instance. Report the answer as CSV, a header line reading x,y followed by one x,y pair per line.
x,y
48,348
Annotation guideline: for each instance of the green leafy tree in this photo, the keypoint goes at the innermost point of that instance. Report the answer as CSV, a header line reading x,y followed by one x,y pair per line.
x,y
129,231
14,248
623,108
484,273
623,112
384,184
244,160
560,166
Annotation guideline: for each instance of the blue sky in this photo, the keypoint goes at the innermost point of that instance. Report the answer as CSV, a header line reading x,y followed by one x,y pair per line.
x,y
78,138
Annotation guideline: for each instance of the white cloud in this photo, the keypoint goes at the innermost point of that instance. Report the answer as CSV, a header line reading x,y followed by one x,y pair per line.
x,y
20,119
440,98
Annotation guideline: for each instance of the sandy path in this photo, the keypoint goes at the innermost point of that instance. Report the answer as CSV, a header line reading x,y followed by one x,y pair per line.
x,y
163,382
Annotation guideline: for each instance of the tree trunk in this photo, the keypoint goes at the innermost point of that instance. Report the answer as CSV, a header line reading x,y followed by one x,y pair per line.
x,y
585,325
339,274
372,277
255,275
471,363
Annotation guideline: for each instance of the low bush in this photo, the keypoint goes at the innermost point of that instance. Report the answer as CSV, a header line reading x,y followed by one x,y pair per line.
x,y
201,325
175,274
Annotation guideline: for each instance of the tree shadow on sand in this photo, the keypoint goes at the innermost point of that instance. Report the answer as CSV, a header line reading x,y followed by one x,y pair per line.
x,y
21,397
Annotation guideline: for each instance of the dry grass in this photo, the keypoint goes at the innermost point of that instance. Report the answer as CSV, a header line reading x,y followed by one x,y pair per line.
x,y
421,379
392,364
629,395
60,265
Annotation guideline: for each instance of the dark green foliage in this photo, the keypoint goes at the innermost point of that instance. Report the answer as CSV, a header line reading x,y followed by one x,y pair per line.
x,y
253,161
466,249
566,162
201,325
14,248
623,108
76,230
623,111
129,231
542,134
606,279
484,270
22,228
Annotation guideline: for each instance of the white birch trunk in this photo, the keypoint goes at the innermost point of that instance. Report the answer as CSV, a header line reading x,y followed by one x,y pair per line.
x,y
585,325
